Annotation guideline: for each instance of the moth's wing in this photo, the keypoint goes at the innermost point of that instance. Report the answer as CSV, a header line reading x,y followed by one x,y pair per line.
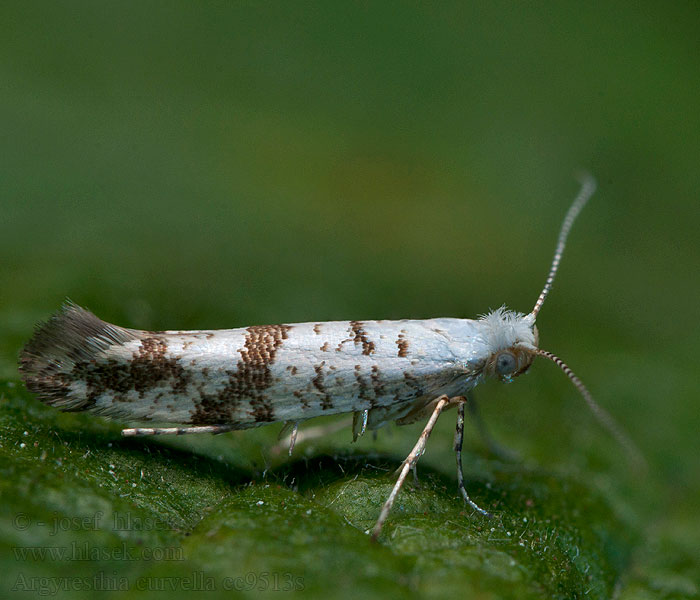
x,y
70,337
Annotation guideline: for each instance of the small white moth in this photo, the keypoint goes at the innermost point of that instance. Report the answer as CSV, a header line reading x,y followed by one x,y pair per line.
x,y
221,380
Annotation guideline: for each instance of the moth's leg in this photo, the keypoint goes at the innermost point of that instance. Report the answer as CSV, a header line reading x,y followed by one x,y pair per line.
x,y
459,438
359,423
411,459
288,425
139,431
491,444
414,470
311,433
292,437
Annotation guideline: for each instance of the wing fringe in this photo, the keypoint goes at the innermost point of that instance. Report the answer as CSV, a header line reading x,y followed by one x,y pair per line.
x,y
70,336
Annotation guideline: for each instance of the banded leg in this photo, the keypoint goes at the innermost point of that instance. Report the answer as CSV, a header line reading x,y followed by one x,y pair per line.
x,y
359,423
293,437
142,431
408,464
459,439
498,450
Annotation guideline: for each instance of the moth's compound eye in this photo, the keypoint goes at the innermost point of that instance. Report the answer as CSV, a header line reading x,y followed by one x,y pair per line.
x,y
506,363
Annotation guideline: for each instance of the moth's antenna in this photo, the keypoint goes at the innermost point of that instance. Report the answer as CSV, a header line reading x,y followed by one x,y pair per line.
x,y
604,418
588,185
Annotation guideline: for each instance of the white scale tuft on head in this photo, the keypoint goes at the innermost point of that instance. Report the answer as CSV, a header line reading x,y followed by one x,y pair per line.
x,y
505,328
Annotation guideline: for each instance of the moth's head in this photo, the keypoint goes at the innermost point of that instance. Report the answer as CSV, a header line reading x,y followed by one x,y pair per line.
x,y
513,340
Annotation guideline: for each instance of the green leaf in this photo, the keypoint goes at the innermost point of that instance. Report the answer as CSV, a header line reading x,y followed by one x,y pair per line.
x,y
148,514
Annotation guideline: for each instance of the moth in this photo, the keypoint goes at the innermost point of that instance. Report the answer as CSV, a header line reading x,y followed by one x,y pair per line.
x,y
221,380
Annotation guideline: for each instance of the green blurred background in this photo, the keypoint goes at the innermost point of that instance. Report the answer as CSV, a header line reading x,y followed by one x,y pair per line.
x,y
177,165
